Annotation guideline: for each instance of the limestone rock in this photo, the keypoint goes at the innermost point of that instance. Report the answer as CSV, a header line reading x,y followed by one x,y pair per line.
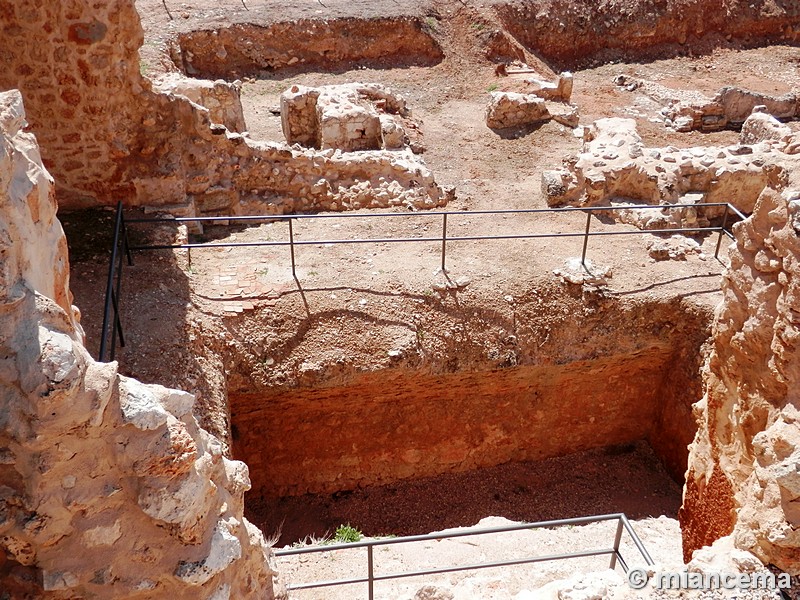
x,y
221,99
108,486
752,386
762,127
560,90
615,169
510,109
431,592
348,117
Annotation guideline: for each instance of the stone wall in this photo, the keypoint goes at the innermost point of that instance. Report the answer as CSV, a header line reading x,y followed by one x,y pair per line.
x,y
108,487
743,475
614,168
106,136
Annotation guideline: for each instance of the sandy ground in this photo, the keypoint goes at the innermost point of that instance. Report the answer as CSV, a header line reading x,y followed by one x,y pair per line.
x,y
660,536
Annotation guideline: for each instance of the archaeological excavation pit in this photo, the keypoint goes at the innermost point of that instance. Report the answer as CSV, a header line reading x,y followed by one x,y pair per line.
x,y
613,414
245,49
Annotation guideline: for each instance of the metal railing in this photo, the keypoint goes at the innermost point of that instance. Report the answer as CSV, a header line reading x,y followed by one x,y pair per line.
x,y
623,524
121,246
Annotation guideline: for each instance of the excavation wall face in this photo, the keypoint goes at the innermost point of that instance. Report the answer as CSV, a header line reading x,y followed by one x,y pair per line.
x,y
245,49
573,34
381,426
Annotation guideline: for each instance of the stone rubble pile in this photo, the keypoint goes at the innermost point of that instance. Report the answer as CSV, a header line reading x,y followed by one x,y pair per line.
x,y
686,111
614,168
508,110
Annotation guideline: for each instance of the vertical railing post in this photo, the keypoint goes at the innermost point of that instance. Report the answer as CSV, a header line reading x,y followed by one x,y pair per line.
x,y
117,301
721,231
444,241
291,247
125,243
110,302
617,540
370,573
586,240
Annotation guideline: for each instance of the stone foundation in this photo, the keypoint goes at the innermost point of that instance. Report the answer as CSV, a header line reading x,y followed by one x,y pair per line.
x,y
108,137
614,169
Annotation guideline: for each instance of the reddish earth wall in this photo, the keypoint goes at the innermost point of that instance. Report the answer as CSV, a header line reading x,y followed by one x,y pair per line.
x,y
391,425
248,49
574,33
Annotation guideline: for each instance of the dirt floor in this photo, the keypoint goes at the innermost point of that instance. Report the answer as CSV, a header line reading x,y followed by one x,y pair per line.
x,y
627,479
182,315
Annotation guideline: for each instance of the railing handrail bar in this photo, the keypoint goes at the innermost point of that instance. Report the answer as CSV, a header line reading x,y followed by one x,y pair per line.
x,y
638,542
472,567
422,213
467,238
371,578
455,533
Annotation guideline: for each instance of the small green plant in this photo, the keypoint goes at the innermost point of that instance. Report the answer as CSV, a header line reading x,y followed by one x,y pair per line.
x,y
346,534
432,23
262,272
478,26
492,87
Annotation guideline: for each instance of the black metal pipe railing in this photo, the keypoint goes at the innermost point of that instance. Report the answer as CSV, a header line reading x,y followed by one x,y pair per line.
x,y
113,290
616,556
121,245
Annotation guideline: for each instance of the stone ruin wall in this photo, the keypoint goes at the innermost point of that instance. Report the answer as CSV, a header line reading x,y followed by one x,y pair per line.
x,y
108,487
107,136
743,475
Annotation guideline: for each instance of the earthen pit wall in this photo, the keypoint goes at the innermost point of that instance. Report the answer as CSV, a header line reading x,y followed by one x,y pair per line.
x,y
575,34
245,49
394,424
106,137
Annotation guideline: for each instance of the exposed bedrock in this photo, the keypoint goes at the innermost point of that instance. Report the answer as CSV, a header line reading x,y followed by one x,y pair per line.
x,y
743,468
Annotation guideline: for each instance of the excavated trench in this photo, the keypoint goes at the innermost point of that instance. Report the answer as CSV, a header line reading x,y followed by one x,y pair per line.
x,y
305,45
565,35
571,35
596,377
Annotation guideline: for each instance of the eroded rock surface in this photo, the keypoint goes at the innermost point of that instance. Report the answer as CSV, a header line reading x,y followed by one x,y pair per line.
x,y
108,487
743,467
